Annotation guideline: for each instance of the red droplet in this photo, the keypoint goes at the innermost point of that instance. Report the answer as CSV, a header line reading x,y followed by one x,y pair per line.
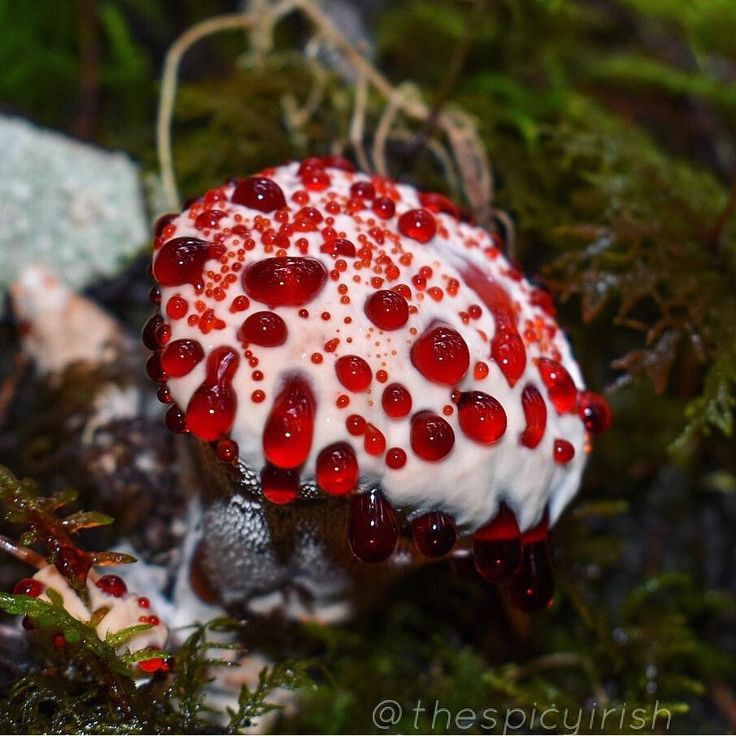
x,y
258,193
180,357
181,261
441,355
396,458
363,190
337,469
542,299
209,219
176,307
384,208
396,400
355,425
149,666
316,180
285,281
434,534
339,247
535,414
559,383
419,225
227,451
481,417
563,451
162,222
112,585
211,409
279,485
435,202
373,528
148,333
353,372
287,437
153,368
594,411
432,437
59,640
374,443
176,420
509,353
388,310
29,586
532,587
143,602
497,546
263,328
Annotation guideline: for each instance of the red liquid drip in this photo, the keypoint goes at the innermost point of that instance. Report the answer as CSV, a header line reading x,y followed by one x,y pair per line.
x,y
285,281
441,355
279,485
418,225
384,208
532,587
29,586
437,203
180,357
594,411
112,585
388,310
434,534
432,437
211,409
497,546
363,190
507,349
535,413
287,437
181,261
148,333
263,328
563,451
396,400
559,383
337,469
176,420
259,194
353,373
373,528
339,247
481,417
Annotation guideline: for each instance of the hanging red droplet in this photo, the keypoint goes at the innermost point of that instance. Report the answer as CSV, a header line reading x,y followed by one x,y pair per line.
x,y
396,400
563,451
339,247
535,414
497,546
388,310
593,409
287,436
337,469
374,442
481,417
418,225
373,528
227,451
211,410
353,372
176,420
180,357
432,437
265,328
258,193
435,202
441,355
181,261
112,585
434,534
29,586
148,333
284,281
559,383
532,587
279,485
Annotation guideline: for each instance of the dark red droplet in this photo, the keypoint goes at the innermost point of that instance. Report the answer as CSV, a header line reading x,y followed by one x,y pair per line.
x,y
396,458
176,420
112,585
563,451
432,437
337,469
227,451
559,383
481,417
353,372
154,369
148,333
373,528
279,485
388,310
29,586
441,355
419,225
285,281
535,414
259,193
209,219
180,357
263,328
594,411
384,208
211,410
396,400
435,202
363,190
162,222
532,587
497,546
287,436
339,247
434,534
181,261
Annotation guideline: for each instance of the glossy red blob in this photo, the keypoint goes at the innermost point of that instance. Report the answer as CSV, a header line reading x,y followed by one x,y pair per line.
x,y
363,190
418,225
180,357
594,411
559,383
481,417
396,458
29,586
181,261
353,372
285,281
563,451
316,180
149,331
263,328
384,208
532,587
227,451
441,355
287,436
209,219
437,203
153,368
337,469
162,222
396,400
388,310
176,420
509,353
497,546
432,437
112,585
339,247
373,528
374,442
535,414
211,410
279,485
434,534
258,193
